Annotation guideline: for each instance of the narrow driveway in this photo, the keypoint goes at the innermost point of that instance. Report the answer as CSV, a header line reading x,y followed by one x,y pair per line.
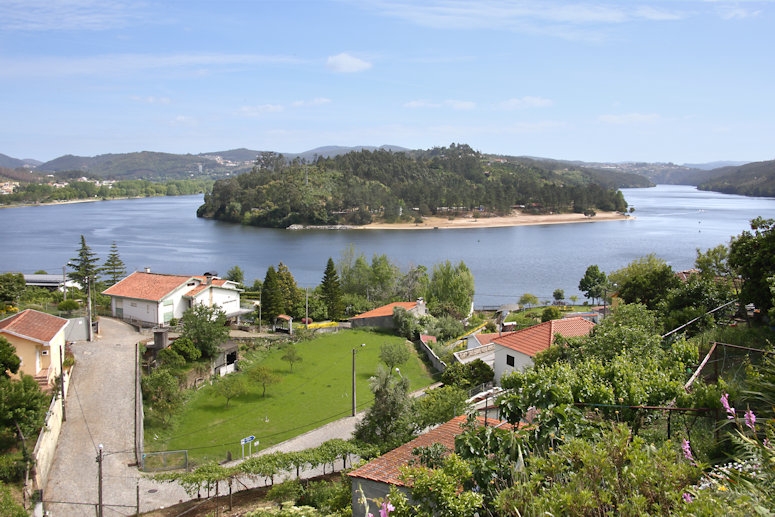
x,y
100,406
100,411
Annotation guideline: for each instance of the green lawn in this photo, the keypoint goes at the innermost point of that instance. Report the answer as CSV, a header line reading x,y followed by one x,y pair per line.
x,y
316,392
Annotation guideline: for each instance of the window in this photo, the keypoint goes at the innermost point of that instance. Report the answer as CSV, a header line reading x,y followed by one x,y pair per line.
x,y
509,360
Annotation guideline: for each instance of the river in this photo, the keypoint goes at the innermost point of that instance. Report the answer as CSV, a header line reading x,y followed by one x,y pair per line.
x,y
165,235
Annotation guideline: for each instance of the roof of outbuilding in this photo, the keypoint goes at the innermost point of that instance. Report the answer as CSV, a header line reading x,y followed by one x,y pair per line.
x,y
385,468
33,325
385,310
538,338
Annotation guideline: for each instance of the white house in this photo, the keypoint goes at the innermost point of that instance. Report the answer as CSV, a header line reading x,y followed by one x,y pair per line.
x,y
515,351
155,299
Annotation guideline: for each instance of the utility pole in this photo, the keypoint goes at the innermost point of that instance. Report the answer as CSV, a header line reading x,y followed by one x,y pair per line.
x,y
64,283
88,307
99,485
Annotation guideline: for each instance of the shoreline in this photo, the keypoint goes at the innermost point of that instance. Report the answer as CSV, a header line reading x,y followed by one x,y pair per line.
x,y
442,223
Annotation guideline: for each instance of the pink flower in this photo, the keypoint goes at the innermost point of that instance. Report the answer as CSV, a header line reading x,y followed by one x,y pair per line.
x,y
688,497
687,448
750,420
725,402
386,508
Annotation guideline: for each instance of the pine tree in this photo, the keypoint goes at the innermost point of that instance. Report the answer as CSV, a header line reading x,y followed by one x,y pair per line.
x,y
85,265
332,291
114,267
271,295
292,296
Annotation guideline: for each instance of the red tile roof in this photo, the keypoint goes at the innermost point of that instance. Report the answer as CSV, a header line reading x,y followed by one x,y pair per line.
x,y
538,338
147,286
385,310
385,468
33,325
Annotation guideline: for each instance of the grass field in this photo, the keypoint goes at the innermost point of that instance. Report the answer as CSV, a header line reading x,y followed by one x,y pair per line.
x,y
317,391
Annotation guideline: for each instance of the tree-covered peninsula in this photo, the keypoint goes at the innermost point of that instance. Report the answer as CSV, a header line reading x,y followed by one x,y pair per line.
x,y
360,187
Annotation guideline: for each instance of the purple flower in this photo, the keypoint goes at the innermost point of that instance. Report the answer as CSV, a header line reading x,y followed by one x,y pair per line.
x,y
687,448
386,508
750,420
688,497
725,402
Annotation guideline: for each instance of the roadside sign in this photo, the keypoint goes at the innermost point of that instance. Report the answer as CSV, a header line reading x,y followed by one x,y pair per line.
x,y
249,441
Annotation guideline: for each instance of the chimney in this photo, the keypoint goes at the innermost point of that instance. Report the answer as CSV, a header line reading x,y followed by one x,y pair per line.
x,y
147,269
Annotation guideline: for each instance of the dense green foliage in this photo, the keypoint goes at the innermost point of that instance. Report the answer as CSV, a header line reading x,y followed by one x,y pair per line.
x,y
358,186
752,254
76,190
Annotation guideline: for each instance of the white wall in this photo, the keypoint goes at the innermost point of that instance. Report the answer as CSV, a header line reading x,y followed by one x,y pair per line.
x,y
521,361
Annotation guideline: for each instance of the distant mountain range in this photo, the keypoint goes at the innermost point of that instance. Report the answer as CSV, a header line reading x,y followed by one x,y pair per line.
x,y
735,177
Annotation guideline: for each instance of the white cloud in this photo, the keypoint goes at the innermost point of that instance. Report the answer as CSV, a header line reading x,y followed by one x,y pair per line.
x,y
460,105
346,63
47,15
515,15
318,101
629,118
129,64
150,99
257,111
418,104
525,103
183,120
737,12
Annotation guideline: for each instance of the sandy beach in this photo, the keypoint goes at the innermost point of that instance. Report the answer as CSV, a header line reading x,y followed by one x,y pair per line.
x,y
515,219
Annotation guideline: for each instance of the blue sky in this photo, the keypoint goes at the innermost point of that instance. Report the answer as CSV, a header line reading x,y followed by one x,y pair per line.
x,y
681,81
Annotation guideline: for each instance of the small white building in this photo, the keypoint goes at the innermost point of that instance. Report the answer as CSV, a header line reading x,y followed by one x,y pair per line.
x,y
515,351
155,299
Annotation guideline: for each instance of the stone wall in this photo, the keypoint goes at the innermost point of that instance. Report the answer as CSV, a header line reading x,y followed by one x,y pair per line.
x,y
45,448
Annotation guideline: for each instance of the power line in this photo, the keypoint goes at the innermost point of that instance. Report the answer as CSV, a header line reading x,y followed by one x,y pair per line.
x,y
86,422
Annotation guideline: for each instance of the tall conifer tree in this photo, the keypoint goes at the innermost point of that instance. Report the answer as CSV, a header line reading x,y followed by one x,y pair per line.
x,y
85,265
332,291
114,267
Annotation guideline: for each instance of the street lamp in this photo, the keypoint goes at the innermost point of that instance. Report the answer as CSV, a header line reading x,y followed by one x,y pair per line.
x,y
354,351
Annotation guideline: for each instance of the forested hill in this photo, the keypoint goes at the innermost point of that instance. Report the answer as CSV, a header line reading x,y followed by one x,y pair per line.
x,y
358,187
752,179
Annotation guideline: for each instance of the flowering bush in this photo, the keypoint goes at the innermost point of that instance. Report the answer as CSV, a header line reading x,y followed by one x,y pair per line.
x,y
744,486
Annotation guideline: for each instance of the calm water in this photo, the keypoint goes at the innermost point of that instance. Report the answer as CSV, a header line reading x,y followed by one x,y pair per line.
x,y
165,235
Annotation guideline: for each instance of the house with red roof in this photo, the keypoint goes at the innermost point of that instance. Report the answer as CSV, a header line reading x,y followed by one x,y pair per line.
x,y
39,340
155,299
373,480
382,317
515,351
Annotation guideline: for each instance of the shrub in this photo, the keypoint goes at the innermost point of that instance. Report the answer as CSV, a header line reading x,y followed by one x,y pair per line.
x,y
11,469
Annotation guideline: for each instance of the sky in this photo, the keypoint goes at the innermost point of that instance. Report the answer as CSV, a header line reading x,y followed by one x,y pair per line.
x,y
600,81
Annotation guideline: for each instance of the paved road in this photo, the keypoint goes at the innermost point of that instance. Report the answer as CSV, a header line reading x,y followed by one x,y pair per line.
x,y
100,411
